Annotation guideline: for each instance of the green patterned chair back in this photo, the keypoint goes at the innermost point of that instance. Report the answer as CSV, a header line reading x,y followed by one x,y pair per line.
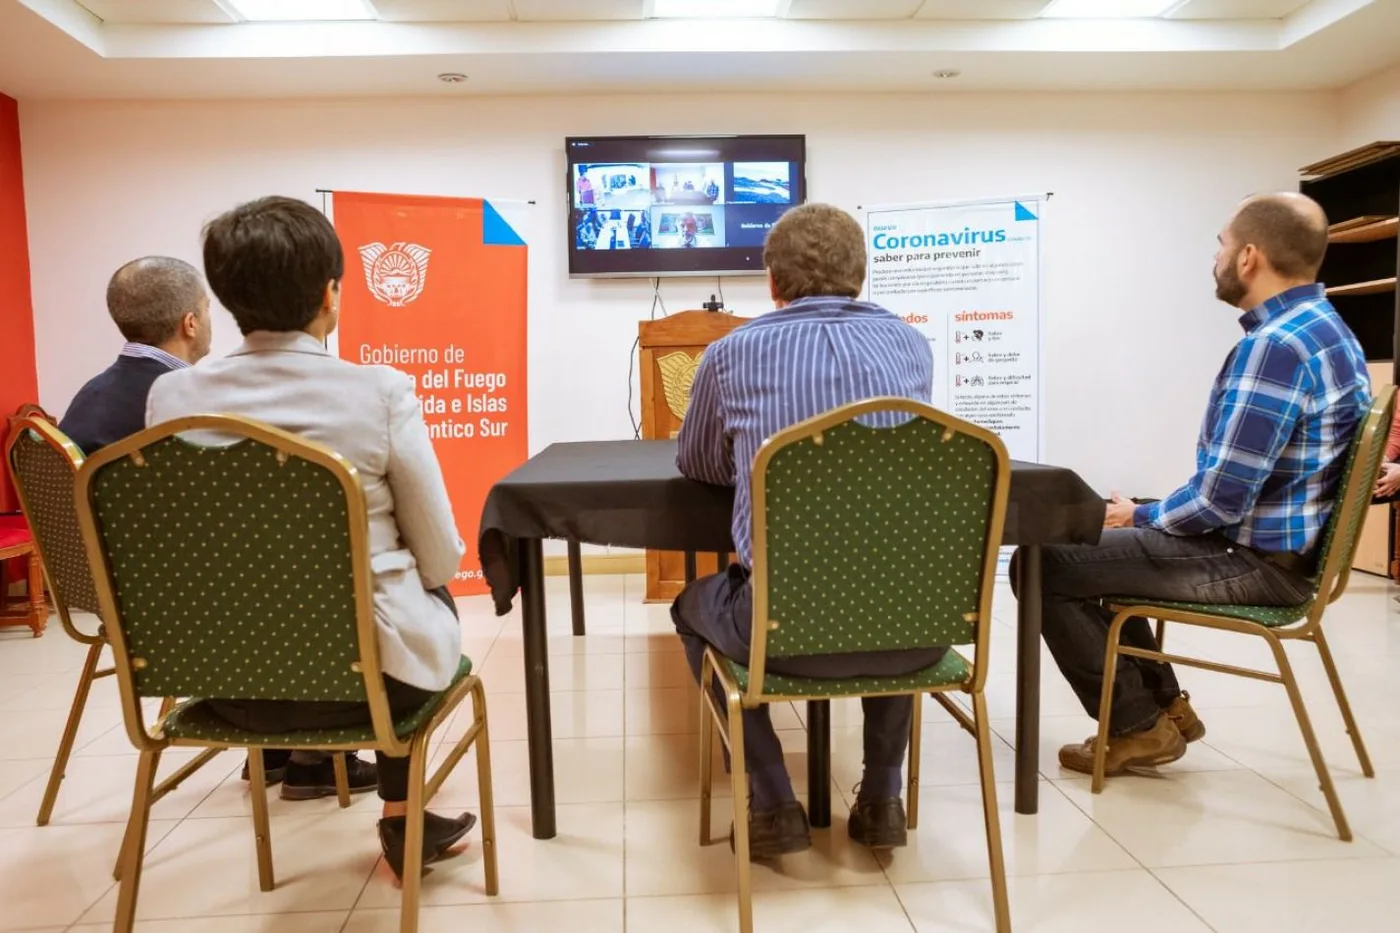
x,y
43,462
231,568
875,538
1363,465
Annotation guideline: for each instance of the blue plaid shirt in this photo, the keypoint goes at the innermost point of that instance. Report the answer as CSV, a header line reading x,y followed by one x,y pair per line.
x,y
1283,410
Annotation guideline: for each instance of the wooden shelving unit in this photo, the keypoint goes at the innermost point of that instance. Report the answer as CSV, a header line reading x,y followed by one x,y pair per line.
x,y
1369,231
1373,287
1360,191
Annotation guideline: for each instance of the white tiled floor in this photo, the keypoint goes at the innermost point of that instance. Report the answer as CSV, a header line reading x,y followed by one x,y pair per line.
x,y
1234,838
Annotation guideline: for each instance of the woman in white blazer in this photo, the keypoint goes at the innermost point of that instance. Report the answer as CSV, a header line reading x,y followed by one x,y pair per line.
x,y
276,265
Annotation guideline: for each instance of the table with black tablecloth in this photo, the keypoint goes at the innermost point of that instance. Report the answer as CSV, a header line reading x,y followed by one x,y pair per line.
x,y
630,494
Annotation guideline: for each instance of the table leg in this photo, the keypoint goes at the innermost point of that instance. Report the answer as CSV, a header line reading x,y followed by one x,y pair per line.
x,y
722,560
689,566
1028,680
576,586
537,726
819,763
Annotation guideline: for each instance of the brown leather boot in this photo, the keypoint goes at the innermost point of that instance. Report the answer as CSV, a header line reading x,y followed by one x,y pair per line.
x,y
1187,722
1158,745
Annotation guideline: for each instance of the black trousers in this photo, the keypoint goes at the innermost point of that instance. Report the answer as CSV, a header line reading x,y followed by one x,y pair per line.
x,y
272,716
718,610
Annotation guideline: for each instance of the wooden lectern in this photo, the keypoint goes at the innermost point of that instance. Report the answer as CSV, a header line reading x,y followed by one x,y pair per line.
x,y
671,349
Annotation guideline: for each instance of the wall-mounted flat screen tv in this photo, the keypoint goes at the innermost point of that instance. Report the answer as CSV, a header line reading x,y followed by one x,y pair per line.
x,y
678,205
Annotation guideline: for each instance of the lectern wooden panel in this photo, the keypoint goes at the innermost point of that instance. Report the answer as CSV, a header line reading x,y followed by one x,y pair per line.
x,y
671,349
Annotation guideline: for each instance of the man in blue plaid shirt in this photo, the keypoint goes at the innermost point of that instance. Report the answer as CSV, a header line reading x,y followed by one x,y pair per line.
x,y
1245,527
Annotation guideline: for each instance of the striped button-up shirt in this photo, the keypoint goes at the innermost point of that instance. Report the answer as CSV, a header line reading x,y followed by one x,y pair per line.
x,y
787,366
144,351
1283,411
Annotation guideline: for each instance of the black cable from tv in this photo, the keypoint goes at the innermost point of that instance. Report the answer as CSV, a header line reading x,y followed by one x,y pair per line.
x,y
656,301
631,367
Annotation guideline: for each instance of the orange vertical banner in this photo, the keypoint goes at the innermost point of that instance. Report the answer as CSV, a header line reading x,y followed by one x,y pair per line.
x,y
437,288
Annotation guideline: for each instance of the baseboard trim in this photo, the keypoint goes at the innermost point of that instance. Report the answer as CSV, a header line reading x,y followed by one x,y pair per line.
x,y
599,564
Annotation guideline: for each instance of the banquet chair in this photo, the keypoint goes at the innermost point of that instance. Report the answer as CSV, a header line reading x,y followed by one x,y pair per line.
x,y
1276,624
240,570
867,539
44,463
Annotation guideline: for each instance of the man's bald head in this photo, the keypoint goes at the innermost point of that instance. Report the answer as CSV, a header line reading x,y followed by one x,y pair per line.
x,y
149,298
1288,228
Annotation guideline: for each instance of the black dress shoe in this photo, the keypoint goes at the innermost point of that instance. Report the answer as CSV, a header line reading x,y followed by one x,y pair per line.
x,y
878,824
309,782
772,833
440,833
274,765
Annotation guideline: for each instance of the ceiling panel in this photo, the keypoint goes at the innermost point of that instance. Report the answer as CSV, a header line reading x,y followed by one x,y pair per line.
x,y
443,11
1238,9
578,10
981,9
149,12
853,9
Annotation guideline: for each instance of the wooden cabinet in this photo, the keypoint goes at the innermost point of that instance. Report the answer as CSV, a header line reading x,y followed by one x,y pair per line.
x,y
671,349
1360,191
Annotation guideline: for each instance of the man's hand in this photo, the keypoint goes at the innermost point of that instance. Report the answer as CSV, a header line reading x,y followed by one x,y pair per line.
x,y
1120,512
1389,482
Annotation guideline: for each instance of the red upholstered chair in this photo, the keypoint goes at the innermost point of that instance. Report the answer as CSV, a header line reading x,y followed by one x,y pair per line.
x,y
17,544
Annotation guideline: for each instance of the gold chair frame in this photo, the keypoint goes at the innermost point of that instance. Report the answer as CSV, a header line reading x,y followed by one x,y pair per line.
x,y
729,721
152,741
1352,504
32,419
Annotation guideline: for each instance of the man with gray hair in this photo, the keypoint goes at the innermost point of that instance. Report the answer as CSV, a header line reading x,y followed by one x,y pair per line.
x,y
161,307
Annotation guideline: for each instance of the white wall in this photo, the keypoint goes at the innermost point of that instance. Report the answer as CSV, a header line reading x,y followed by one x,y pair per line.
x,y
1141,182
1370,110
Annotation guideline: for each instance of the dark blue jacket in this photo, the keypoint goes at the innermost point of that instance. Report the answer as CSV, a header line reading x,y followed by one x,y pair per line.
x,y
113,403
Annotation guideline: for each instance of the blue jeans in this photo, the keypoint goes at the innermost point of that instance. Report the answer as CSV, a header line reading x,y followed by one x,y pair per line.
x,y
718,611
1144,564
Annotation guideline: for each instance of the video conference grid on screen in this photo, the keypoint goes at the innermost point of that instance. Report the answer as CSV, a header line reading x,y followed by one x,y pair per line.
x,y
678,205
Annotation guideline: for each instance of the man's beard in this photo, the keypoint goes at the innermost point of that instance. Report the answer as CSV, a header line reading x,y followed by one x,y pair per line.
x,y
1228,287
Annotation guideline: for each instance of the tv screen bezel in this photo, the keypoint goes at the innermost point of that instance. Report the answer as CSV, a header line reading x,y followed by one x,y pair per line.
x,y
702,256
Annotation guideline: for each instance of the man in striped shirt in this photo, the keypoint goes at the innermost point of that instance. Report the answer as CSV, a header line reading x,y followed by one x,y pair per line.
x,y
1245,527
820,349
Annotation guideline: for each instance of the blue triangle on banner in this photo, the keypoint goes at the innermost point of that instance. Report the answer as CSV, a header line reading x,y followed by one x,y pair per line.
x,y
1023,213
495,230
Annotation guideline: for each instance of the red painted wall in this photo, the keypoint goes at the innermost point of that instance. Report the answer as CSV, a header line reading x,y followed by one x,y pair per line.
x,y
19,382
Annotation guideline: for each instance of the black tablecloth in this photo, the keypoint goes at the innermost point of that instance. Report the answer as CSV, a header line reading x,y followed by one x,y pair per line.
x,y
630,494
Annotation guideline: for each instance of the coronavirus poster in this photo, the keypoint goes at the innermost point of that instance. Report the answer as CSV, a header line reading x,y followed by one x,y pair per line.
x,y
968,276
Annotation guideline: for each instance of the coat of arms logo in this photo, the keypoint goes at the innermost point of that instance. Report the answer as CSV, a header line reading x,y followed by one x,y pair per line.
x,y
677,376
396,273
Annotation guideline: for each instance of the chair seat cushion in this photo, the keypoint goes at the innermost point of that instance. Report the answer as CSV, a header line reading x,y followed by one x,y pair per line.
x,y
14,532
1267,616
193,722
952,670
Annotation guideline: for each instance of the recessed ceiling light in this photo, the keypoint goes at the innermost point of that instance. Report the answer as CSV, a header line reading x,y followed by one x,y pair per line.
x,y
452,77
713,9
290,11
1109,9
947,73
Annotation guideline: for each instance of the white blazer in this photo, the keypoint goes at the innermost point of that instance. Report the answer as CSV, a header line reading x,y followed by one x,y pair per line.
x,y
370,416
